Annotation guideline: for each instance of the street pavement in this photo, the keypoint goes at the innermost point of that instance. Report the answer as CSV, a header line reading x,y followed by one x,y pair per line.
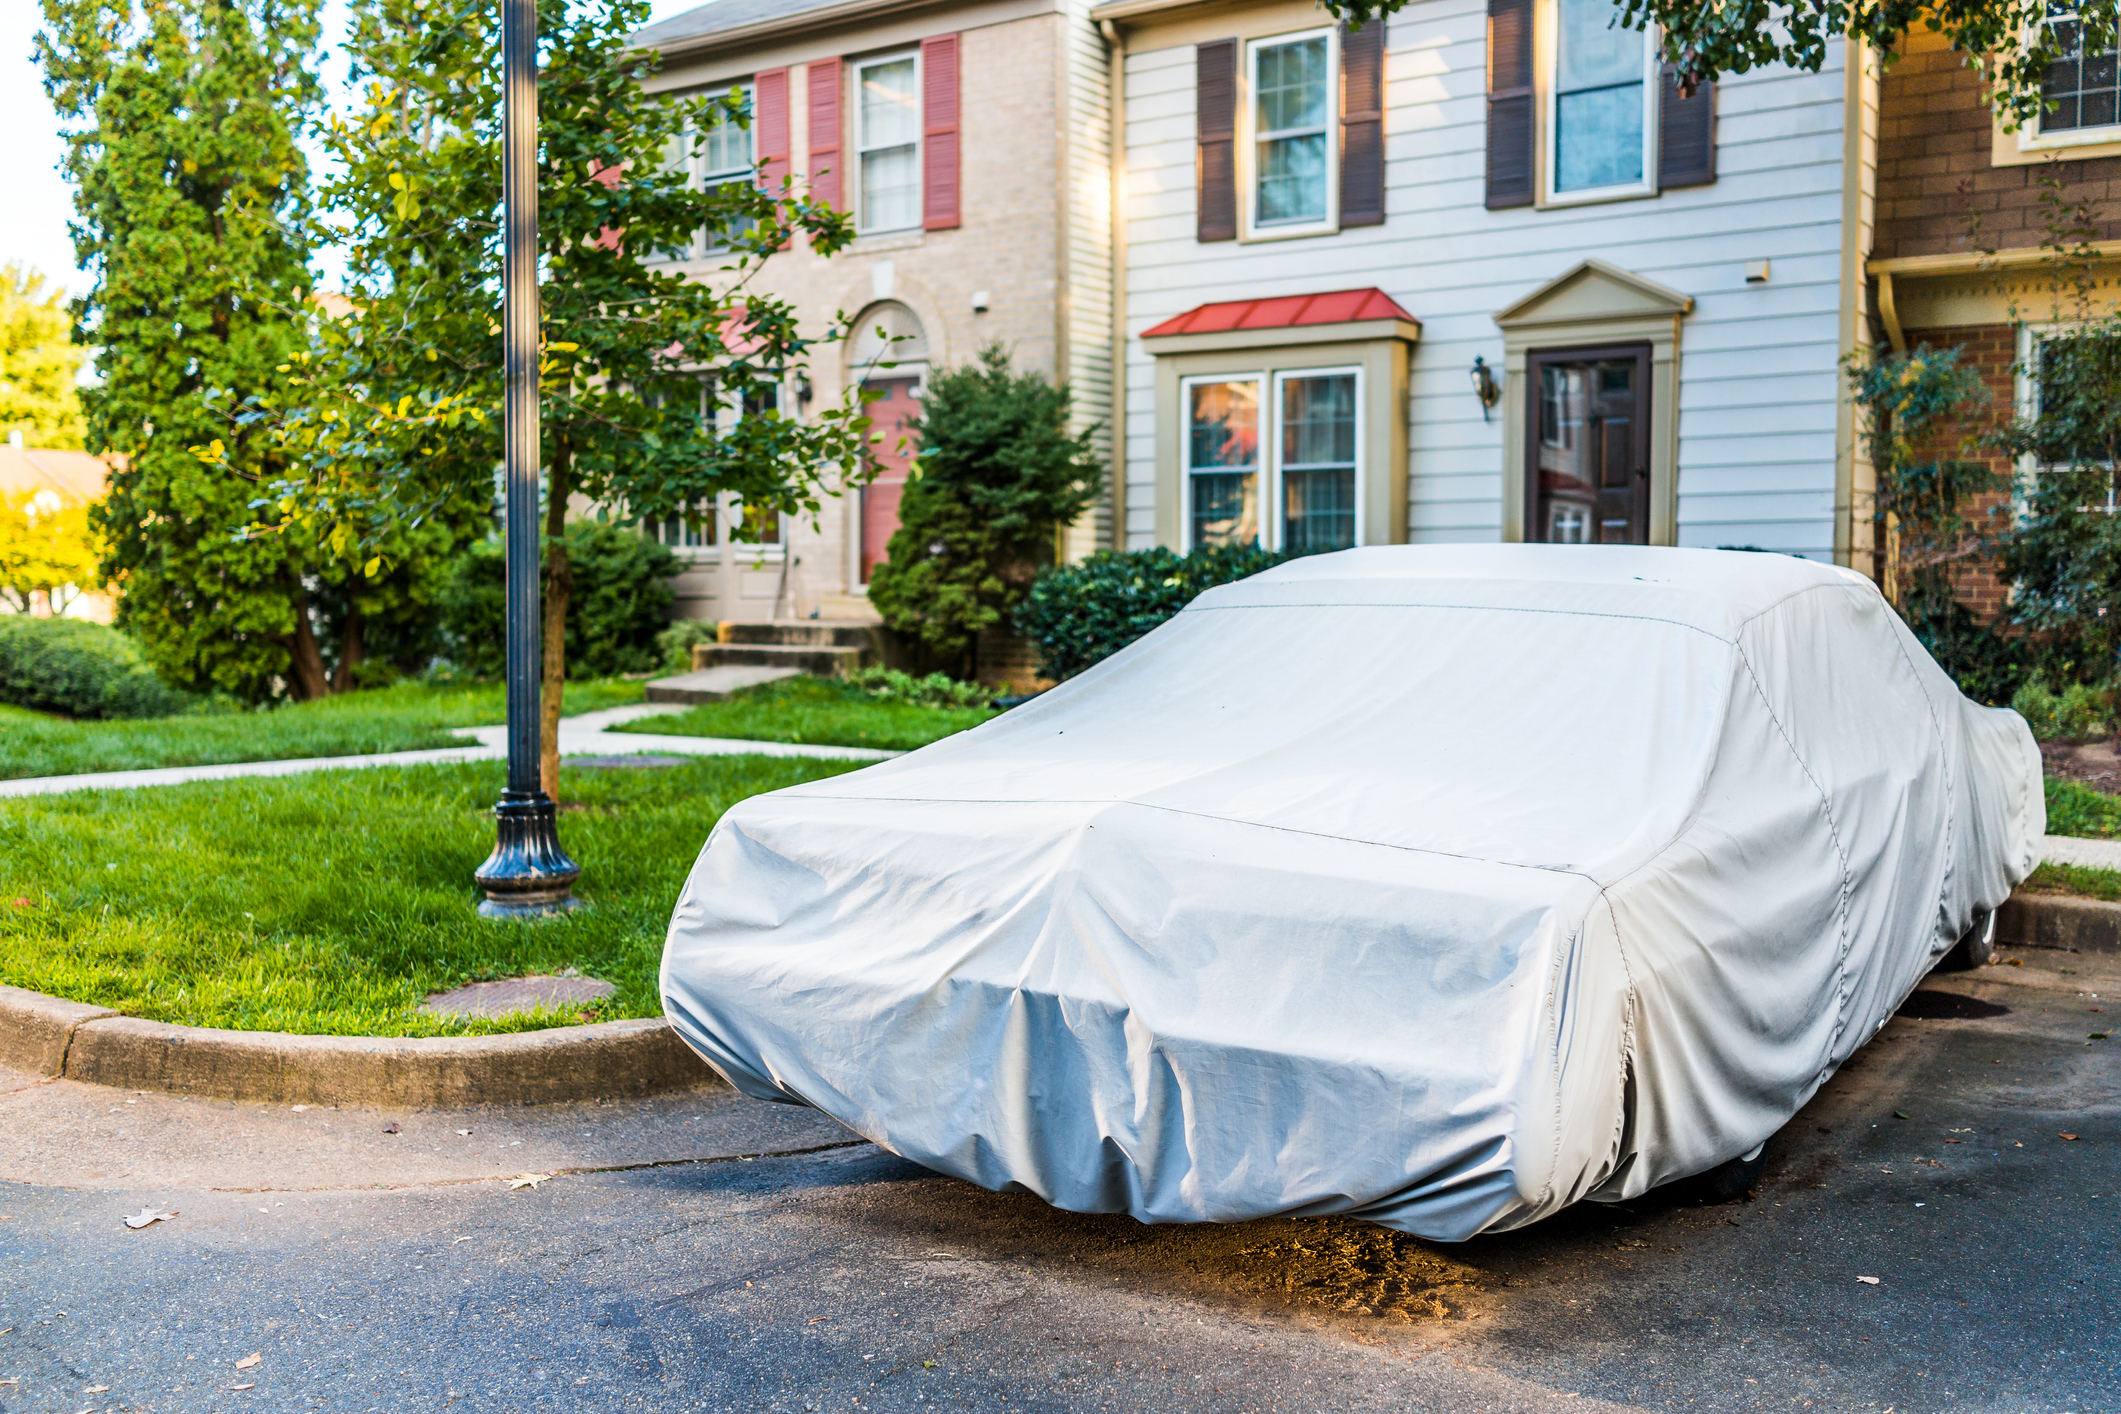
x,y
704,1252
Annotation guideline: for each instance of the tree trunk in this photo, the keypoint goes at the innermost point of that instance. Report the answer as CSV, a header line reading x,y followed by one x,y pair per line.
x,y
559,587
353,651
306,660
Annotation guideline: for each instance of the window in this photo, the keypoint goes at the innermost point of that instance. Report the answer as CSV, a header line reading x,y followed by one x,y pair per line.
x,y
1600,119
1292,114
725,156
692,529
1312,480
888,139
1222,463
2084,89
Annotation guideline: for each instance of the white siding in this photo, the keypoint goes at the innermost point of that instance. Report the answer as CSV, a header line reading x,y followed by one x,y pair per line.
x,y
1759,382
1087,313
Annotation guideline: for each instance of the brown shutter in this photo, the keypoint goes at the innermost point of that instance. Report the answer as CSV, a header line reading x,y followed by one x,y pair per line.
x,y
823,84
939,133
1215,129
1686,134
1362,124
1512,140
771,120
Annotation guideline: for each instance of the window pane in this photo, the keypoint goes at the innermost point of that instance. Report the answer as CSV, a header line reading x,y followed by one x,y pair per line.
x,y
2082,87
891,189
1598,85
1596,51
1318,463
1598,138
1292,179
1292,85
1222,460
728,145
890,114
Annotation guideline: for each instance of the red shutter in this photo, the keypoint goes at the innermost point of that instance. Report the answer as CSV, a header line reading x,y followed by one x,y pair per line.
x,y
824,83
1215,137
770,118
939,140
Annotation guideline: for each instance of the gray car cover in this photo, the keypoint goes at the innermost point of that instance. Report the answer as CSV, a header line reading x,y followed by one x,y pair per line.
x,y
1444,886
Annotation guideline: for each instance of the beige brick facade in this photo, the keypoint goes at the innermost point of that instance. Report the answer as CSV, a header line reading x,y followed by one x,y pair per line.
x,y
1009,254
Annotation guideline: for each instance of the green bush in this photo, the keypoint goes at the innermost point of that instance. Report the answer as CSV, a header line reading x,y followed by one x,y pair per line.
x,y
934,690
1083,613
622,598
998,472
674,644
80,669
2079,712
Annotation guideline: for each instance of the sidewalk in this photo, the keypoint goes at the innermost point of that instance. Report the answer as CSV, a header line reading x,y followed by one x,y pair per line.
x,y
586,735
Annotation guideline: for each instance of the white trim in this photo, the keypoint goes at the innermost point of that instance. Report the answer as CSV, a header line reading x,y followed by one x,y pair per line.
x,y
1249,228
1546,32
860,187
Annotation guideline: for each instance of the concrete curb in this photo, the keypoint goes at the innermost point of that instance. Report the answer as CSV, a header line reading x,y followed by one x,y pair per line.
x,y
604,1060
2060,921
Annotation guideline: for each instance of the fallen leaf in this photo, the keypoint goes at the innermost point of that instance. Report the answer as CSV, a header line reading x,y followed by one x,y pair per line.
x,y
527,1180
148,1215
465,1238
249,1361
1868,1281
2065,1136
1902,1114
2017,962
1955,1141
815,1319
391,1128
242,1386
97,1389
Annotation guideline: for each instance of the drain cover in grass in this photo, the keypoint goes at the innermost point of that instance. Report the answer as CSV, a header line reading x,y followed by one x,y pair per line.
x,y
514,994
615,763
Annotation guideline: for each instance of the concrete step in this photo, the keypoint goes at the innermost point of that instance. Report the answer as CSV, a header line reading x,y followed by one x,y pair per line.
x,y
805,633
824,661
713,684
848,609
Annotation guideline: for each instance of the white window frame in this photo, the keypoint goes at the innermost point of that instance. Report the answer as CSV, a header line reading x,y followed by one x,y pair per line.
x,y
2032,139
1270,470
860,193
2025,395
1547,37
1248,153
702,179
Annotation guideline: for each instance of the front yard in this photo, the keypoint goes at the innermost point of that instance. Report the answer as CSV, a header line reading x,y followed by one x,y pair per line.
x,y
335,902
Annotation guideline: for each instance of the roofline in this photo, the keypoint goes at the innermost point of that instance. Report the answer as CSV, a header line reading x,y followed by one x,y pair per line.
x,y
1346,331
1967,262
1121,11
822,17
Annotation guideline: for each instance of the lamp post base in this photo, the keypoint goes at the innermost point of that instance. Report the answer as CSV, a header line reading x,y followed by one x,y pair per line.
x,y
528,875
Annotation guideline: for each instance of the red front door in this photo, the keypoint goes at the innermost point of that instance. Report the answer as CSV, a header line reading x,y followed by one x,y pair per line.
x,y
893,455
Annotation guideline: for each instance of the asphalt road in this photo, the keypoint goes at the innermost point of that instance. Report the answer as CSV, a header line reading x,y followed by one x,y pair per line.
x,y
689,1257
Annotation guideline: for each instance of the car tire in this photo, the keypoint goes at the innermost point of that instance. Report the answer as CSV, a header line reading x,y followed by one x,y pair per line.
x,y
1975,946
1734,1178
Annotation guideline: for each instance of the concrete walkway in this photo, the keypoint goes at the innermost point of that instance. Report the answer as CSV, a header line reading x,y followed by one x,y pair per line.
x,y
587,735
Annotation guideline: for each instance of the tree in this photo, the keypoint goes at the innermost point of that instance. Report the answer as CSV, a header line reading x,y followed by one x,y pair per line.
x,y
47,550
2011,42
192,196
38,362
998,474
397,418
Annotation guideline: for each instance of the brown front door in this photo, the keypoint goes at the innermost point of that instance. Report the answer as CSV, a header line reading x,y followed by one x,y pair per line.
x,y
893,455
1588,448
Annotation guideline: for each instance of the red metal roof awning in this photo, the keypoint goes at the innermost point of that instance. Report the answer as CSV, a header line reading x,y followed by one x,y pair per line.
x,y
1287,312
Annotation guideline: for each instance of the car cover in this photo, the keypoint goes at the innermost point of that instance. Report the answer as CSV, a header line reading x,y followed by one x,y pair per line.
x,y
1443,886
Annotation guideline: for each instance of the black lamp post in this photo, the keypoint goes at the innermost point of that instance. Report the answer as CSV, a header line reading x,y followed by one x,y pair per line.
x,y
528,875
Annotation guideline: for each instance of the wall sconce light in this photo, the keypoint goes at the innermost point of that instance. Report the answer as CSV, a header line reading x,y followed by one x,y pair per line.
x,y
803,391
1484,386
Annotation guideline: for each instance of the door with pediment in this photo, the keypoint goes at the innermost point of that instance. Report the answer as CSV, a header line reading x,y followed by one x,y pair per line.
x,y
1587,449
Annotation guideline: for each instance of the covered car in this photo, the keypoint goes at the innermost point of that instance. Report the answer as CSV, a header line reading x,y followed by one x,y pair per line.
x,y
1440,886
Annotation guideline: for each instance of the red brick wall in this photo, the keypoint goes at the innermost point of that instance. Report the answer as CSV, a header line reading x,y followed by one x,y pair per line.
x,y
1990,348
1934,172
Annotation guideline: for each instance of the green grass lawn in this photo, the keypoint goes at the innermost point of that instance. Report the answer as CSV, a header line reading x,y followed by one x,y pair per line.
x,y
408,717
333,903
817,712
2075,879
2074,808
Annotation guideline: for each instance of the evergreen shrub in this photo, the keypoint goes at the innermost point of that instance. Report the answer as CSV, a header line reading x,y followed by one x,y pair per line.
x,y
621,602
2079,712
80,669
1083,613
